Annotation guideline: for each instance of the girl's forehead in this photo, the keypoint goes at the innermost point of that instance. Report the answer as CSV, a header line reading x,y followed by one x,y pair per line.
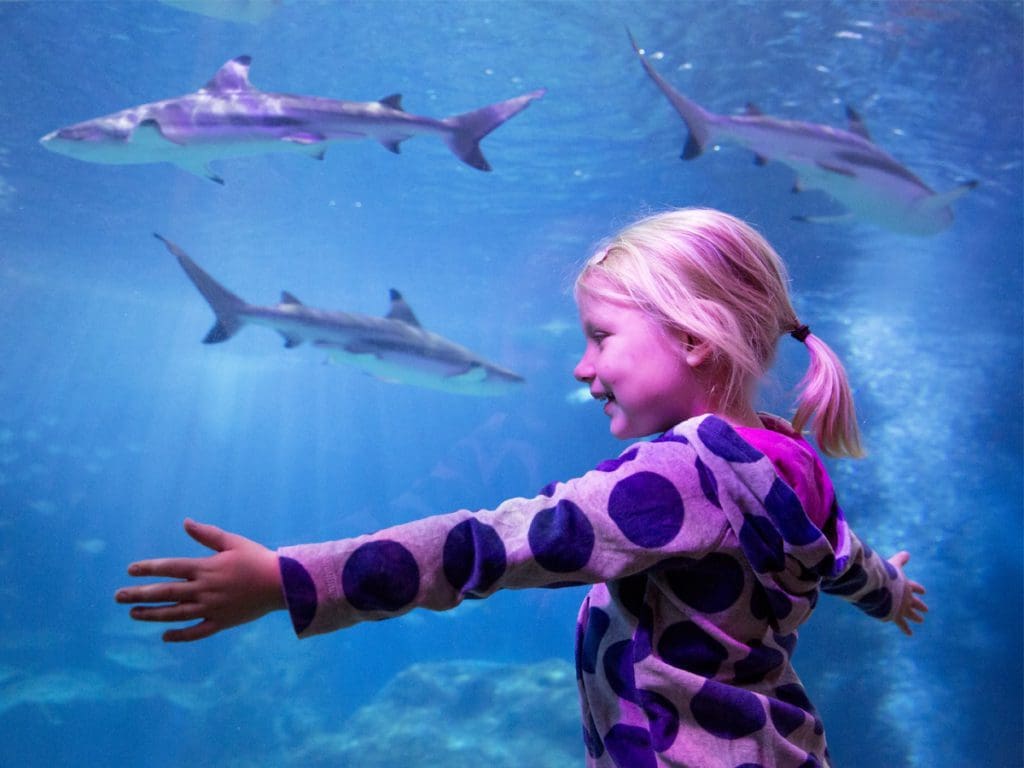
x,y
594,307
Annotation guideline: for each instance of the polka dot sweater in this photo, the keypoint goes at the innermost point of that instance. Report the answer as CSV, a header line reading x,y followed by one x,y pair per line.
x,y
704,562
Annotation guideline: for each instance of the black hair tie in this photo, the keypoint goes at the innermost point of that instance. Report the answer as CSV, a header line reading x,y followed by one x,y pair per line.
x,y
800,333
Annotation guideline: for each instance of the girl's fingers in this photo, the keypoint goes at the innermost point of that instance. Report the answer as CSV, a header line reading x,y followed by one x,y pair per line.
x,y
161,592
187,634
179,612
900,559
208,535
167,567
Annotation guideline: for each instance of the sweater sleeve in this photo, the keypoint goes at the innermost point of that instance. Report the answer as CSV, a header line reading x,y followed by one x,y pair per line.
x,y
626,515
861,576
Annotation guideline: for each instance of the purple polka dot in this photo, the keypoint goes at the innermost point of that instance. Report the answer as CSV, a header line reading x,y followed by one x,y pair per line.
x,y
630,745
671,437
473,557
618,669
785,717
785,509
810,762
300,592
596,627
726,711
762,544
758,664
708,482
686,646
663,718
890,569
786,642
820,570
610,465
647,508
380,576
767,603
711,584
721,440
561,537
851,582
789,708
631,592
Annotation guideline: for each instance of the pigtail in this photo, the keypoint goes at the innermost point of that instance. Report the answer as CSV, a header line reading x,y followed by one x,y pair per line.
x,y
825,401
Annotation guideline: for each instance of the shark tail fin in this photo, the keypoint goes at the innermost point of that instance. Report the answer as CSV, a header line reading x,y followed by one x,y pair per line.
x,y
225,305
698,120
469,128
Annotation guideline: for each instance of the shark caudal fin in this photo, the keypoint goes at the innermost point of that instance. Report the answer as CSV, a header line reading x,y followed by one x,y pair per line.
x,y
697,119
469,128
225,305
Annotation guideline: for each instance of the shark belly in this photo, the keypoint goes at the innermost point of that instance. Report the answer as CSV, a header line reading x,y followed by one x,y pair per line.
x,y
417,371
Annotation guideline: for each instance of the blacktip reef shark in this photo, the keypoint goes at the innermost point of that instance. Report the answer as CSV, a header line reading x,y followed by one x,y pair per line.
x,y
845,164
228,117
393,348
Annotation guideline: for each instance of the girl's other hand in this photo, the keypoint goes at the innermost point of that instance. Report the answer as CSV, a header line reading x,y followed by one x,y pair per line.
x,y
911,607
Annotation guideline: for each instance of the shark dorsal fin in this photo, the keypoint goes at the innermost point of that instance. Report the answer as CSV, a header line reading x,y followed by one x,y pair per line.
x,y
752,110
287,298
855,123
233,76
400,310
394,101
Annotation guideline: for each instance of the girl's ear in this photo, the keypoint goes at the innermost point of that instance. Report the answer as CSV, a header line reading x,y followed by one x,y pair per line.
x,y
697,352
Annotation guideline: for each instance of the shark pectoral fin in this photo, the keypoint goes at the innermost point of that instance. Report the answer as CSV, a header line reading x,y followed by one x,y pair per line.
x,y
199,169
290,341
760,160
473,372
149,133
391,145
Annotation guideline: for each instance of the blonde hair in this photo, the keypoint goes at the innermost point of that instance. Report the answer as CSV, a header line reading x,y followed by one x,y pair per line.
x,y
705,275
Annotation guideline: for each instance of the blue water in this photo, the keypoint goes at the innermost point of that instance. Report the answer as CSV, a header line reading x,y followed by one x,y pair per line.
x,y
116,422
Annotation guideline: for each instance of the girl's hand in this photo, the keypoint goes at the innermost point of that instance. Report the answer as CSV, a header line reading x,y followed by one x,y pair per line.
x,y
911,607
238,584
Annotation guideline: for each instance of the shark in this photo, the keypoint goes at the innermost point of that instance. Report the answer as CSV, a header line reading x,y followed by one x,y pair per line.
x,y
229,118
394,348
845,164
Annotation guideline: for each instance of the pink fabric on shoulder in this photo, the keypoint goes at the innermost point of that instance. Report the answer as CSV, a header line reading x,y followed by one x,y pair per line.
x,y
797,463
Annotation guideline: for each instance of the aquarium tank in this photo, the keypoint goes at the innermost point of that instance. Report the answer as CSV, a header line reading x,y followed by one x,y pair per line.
x,y
888,174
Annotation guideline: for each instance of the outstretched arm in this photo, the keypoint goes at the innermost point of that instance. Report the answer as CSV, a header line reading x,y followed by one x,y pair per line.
x,y
239,583
911,607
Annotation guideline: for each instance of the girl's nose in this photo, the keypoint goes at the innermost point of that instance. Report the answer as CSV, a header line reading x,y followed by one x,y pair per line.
x,y
584,370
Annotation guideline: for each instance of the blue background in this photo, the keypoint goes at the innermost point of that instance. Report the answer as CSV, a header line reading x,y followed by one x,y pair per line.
x,y
116,422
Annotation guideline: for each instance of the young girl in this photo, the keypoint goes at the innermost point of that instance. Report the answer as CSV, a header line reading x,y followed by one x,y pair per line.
x,y
706,546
